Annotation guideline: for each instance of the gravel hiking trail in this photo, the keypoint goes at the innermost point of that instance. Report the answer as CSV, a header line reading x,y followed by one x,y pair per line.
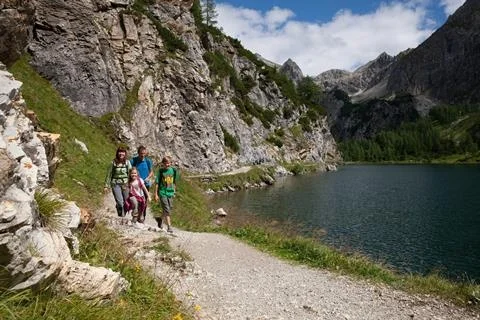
x,y
228,279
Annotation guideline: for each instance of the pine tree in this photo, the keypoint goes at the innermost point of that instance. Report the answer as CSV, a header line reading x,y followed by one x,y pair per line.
x,y
209,12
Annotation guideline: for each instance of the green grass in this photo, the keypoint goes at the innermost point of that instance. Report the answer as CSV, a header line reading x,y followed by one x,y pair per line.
x,y
50,211
79,176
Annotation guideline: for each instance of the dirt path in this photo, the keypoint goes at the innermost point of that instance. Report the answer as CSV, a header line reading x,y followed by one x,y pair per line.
x,y
230,280
228,173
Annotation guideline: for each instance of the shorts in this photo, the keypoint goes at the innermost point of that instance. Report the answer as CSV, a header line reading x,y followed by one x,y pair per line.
x,y
167,205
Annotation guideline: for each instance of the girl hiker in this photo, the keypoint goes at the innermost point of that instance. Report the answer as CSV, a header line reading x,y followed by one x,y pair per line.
x,y
165,189
117,178
137,196
145,170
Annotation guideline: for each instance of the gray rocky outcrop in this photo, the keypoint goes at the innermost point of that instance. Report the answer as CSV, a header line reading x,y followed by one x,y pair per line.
x,y
108,51
292,71
33,254
72,50
16,17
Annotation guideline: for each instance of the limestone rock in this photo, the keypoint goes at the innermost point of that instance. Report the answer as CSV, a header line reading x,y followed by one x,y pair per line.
x,y
359,80
32,256
94,283
106,52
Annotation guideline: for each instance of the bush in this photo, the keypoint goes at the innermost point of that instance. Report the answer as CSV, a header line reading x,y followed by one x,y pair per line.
x,y
273,139
172,42
287,113
218,64
230,141
305,123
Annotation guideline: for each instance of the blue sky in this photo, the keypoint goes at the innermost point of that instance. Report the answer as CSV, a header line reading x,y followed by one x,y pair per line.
x,y
331,34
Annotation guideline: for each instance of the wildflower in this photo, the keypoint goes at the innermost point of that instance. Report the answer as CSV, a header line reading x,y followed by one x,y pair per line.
x,y
197,308
178,316
121,302
137,267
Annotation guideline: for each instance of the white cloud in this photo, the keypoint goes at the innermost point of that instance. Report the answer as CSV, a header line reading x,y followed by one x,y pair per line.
x,y
346,42
451,5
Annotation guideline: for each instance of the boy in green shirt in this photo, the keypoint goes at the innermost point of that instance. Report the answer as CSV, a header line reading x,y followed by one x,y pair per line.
x,y
165,190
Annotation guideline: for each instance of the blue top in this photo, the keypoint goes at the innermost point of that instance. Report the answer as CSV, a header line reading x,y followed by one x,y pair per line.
x,y
144,167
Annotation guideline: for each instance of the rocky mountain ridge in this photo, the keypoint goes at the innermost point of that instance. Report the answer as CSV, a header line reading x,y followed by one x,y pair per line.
x,y
98,53
442,69
359,80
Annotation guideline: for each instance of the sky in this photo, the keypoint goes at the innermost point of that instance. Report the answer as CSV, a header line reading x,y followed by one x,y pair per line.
x,y
331,34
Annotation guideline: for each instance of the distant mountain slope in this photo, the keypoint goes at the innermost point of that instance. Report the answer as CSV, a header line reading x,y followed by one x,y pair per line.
x,y
446,67
359,80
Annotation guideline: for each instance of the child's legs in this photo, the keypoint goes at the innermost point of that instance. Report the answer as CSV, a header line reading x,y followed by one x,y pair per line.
x,y
167,205
134,203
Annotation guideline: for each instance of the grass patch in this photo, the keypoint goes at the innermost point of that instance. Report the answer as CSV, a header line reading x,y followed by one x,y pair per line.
x,y
131,100
162,245
50,211
79,175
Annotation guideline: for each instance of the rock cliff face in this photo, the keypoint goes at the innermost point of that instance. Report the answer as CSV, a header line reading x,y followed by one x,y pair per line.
x,y
16,17
98,52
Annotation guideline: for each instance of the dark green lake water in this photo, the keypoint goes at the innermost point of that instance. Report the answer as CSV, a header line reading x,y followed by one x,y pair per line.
x,y
416,218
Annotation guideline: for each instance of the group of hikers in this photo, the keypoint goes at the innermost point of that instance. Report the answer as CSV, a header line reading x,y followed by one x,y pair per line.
x,y
131,180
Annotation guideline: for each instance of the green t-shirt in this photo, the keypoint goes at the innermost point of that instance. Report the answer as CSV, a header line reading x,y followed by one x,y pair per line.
x,y
166,182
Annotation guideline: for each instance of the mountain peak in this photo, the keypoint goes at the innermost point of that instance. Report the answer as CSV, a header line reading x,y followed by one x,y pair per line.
x,y
292,70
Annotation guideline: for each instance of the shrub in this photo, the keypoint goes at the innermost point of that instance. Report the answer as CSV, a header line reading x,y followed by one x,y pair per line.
x,y
279,132
287,113
218,64
172,42
230,141
273,139
305,123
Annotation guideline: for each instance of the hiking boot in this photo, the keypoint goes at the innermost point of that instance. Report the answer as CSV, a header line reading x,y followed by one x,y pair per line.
x,y
159,222
169,229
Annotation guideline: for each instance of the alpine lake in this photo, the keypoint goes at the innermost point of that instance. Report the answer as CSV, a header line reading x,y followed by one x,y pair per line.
x,y
413,218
